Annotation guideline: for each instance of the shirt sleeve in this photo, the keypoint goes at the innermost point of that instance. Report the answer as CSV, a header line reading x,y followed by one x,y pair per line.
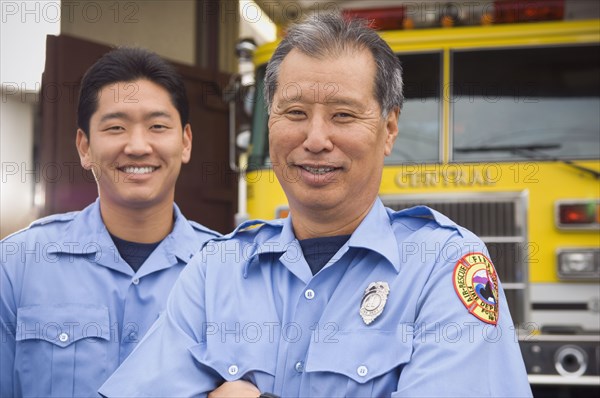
x,y
454,352
8,323
165,362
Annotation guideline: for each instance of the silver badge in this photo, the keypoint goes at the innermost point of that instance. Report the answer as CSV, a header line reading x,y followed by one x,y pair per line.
x,y
374,301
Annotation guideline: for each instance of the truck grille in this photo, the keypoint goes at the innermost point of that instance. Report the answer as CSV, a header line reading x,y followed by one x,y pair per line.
x,y
499,219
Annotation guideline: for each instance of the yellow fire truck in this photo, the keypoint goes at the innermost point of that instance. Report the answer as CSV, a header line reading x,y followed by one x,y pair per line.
x,y
500,131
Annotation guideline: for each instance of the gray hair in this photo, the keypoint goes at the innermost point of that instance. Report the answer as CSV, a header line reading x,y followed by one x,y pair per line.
x,y
323,35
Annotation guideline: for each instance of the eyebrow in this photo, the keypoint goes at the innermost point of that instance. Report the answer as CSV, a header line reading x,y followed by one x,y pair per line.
x,y
152,115
345,101
123,115
113,115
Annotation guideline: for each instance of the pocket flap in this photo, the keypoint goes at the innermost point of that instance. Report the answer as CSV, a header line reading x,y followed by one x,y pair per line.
x,y
361,355
62,324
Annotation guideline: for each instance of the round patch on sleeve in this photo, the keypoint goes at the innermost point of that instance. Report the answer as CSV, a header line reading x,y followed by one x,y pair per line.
x,y
476,284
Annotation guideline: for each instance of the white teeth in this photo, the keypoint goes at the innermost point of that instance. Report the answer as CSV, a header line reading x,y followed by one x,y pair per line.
x,y
318,170
138,170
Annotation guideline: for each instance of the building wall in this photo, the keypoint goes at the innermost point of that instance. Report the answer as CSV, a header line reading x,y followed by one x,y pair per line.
x,y
165,26
168,27
16,157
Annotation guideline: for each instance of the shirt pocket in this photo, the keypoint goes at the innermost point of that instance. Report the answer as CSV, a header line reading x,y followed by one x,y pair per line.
x,y
61,350
362,363
253,361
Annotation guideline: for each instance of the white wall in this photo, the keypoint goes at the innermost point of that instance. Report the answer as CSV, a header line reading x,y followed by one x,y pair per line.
x,y
16,158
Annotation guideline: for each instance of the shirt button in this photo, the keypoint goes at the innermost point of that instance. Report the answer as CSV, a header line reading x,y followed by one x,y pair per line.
x,y
309,294
233,369
362,370
299,367
63,337
135,281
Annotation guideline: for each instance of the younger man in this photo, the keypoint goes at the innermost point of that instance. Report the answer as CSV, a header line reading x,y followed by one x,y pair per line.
x,y
79,290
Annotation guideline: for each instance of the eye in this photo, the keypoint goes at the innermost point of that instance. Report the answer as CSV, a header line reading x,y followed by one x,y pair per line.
x,y
158,127
343,116
114,129
295,114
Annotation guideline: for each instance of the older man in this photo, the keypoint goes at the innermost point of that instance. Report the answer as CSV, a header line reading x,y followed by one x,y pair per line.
x,y
344,297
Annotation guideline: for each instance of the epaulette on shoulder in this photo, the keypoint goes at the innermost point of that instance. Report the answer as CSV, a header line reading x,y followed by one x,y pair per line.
x,y
202,228
63,217
250,227
425,212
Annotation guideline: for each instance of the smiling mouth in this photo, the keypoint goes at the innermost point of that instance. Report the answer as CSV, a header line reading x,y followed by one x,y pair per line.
x,y
318,170
138,170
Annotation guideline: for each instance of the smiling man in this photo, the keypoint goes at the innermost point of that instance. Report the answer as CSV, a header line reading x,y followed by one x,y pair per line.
x,y
344,298
79,290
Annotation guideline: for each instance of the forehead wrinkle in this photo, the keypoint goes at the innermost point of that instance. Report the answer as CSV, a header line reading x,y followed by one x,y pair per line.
x,y
338,50
334,100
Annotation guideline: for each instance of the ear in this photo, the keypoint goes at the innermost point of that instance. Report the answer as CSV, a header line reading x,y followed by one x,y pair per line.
x,y
83,147
391,128
186,154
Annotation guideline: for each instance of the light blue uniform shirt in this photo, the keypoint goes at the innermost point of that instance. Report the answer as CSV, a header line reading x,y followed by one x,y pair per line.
x,y
72,309
248,307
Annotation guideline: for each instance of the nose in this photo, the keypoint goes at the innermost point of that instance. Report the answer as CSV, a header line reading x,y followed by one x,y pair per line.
x,y
138,143
318,136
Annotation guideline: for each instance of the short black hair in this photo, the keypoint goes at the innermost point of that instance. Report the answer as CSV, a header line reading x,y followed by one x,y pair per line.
x,y
127,64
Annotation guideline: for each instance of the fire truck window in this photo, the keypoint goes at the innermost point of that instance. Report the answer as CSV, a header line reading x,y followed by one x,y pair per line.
x,y
419,124
526,103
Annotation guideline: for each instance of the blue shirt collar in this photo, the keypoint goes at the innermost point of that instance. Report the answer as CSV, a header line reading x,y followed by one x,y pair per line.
x,y
182,241
373,233
87,235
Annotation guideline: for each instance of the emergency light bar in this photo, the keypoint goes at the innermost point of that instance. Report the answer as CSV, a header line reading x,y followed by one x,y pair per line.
x,y
388,18
512,11
449,15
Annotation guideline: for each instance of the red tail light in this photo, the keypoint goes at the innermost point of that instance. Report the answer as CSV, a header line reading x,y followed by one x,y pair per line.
x,y
578,214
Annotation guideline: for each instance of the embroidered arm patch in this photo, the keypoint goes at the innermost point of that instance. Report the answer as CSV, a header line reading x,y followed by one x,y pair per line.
x,y
476,284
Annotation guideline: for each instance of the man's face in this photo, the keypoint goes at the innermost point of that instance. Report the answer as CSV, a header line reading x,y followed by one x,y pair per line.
x,y
136,145
326,134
